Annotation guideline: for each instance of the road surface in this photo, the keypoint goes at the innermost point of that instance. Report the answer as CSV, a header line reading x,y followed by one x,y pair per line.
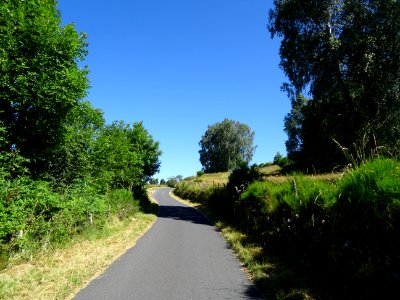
x,y
181,257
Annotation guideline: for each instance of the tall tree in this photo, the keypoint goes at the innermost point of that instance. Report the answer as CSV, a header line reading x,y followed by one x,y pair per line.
x,y
346,54
226,145
40,77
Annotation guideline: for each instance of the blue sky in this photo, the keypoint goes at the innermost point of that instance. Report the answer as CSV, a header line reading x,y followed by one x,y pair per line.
x,y
182,65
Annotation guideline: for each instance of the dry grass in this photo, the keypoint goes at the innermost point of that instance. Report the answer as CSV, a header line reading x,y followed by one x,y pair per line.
x,y
270,170
270,173
63,272
213,178
328,177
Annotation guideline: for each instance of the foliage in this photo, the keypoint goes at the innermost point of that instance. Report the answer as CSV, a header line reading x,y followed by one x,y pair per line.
x,y
345,233
200,173
281,161
33,217
293,126
40,77
367,221
147,148
226,145
345,55
153,181
174,180
62,170
124,156
72,159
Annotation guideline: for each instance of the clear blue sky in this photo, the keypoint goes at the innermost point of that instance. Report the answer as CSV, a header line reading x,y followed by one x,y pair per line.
x,y
181,65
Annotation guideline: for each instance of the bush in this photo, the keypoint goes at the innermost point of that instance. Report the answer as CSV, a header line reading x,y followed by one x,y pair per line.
x,y
33,217
200,173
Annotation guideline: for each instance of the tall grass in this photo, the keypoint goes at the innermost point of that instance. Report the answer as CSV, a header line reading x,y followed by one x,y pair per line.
x,y
345,232
367,221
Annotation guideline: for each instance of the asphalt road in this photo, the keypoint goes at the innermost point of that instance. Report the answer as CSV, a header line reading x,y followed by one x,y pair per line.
x,y
181,257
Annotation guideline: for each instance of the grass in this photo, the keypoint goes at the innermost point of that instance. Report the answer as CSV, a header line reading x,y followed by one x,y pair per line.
x,y
59,274
210,179
324,236
272,173
273,279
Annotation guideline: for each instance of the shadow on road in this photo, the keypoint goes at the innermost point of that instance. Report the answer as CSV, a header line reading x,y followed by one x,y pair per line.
x,y
252,293
182,213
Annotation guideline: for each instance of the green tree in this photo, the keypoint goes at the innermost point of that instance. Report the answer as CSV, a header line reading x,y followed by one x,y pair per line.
x,y
71,159
225,146
124,156
40,77
153,181
346,54
148,149
293,123
174,180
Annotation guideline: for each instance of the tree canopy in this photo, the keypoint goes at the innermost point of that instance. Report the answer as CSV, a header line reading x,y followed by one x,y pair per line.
x,y
44,118
226,145
40,77
345,57
62,169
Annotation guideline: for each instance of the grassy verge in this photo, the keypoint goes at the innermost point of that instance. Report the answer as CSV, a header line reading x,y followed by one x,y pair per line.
x,y
312,237
59,274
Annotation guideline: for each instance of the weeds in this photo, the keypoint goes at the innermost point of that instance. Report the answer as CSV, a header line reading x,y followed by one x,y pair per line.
x,y
362,152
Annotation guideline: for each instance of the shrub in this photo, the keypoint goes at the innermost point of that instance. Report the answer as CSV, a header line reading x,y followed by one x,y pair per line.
x,y
33,217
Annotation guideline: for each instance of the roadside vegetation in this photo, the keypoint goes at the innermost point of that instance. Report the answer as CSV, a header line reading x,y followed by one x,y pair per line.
x,y
307,237
70,184
321,236
67,178
61,272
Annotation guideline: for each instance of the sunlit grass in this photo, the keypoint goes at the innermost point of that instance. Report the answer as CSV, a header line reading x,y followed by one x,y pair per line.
x,y
272,173
59,274
210,178
270,170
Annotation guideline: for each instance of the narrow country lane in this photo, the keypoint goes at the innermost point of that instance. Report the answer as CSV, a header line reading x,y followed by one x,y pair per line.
x,y
181,257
